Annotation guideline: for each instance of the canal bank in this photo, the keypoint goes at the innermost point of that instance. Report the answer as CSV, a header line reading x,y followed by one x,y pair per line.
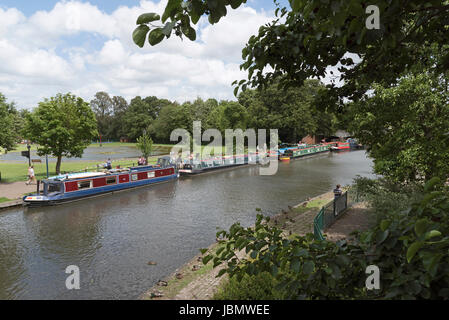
x,y
196,281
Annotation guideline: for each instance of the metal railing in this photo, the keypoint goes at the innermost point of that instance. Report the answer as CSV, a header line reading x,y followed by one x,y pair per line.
x,y
332,211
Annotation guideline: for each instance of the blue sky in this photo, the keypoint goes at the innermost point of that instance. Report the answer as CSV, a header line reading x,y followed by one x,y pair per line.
x,y
49,47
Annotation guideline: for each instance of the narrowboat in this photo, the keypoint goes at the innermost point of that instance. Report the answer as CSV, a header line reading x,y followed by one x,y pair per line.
x,y
212,164
341,146
77,186
305,150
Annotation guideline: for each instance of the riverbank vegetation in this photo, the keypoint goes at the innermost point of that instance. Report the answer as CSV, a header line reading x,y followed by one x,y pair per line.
x,y
394,97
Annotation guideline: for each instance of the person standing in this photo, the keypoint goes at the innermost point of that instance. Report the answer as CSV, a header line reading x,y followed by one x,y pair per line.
x,y
338,192
109,164
31,176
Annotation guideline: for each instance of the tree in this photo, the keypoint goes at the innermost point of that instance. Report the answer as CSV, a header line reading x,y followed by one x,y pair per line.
x,y
62,126
102,106
172,116
118,127
141,113
311,35
8,132
405,128
291,111
145,145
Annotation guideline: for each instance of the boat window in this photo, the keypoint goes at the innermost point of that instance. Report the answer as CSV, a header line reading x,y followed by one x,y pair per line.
x,y
84,184
110,180
134,177
151,174
54,188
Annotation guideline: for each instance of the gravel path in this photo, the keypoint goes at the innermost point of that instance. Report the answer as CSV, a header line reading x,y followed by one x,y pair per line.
x,y
357,217
15,190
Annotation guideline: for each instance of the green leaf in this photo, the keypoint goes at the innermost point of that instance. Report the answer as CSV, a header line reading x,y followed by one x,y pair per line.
x,y
206,259
172,6
299,252
147,17
190,33
433,233
429,186
385,224
235,3
220,273
167,29
140,34
295,4
155,36
308,267
421,226
411,251
294,265
274,270
381,236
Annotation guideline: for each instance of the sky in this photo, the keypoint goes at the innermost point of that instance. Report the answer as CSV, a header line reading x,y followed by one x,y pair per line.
x,y
85,46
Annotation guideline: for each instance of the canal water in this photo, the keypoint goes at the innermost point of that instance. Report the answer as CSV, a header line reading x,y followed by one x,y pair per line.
x,y
112,238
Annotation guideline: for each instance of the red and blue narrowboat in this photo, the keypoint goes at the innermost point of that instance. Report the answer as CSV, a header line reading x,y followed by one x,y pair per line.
x,y
77,186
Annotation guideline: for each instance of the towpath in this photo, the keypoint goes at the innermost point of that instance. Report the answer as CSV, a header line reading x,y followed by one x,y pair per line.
x,y
15,190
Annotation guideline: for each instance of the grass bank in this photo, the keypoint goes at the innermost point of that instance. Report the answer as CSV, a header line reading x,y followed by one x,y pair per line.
x,y
3,199
14,171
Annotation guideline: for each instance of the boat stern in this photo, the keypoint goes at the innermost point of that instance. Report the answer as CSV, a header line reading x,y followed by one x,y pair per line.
x,y
36,200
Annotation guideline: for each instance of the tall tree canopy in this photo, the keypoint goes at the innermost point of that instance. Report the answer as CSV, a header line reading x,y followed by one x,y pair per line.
x,y
406,128
291,111
8,119
62,126
141,113
311,35
102,106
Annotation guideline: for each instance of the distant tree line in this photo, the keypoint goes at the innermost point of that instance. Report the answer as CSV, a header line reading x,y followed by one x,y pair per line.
x,y
292,112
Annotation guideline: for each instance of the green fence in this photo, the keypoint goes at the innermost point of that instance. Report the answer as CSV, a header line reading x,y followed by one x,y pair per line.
x,y
332,211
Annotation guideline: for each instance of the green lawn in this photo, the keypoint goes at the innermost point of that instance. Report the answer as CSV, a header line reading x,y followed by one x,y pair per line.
x,y
13,171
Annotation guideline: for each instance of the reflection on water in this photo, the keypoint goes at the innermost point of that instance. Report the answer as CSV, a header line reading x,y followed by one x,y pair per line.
x,y
112,238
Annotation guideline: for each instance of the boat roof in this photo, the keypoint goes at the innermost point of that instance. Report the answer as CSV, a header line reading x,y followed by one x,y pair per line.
x,y
77,175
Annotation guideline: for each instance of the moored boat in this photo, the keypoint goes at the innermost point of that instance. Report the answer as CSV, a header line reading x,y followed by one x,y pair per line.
x,y
304,150
77,186
341,146
212,164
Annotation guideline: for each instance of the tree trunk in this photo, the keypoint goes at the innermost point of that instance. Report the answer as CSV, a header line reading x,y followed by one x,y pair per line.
x,y
58,165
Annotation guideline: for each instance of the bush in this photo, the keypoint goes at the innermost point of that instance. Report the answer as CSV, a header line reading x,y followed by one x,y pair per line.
x,y
385,197
410,247
259,287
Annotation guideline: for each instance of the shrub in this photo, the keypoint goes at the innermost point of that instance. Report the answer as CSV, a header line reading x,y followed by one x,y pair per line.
x,y
259,287
410,247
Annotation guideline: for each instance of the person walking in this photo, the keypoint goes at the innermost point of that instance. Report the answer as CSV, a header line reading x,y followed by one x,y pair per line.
x,y
31,176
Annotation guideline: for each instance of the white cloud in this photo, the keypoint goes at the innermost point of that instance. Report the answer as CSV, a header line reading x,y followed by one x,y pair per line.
x,y
79,48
